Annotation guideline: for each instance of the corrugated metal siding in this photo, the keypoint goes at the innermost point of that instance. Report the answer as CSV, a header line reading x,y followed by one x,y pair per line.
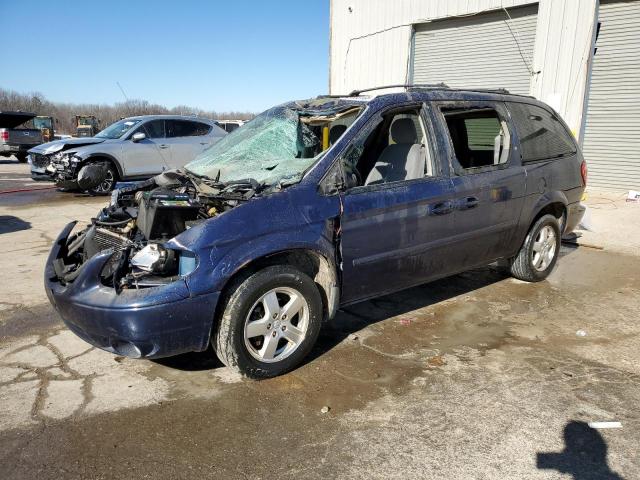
x,y
484,51
481,133
370,39
612,135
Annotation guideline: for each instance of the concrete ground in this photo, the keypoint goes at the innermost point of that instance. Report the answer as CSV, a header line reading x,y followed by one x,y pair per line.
x,y
476,376
613,222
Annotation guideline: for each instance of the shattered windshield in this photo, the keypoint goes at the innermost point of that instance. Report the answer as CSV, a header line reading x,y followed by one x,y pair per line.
x,y
117,129
280,143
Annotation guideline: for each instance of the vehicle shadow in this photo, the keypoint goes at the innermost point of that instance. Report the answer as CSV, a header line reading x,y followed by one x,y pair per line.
x,y
358,316
584,455
10,224
353,318
193,361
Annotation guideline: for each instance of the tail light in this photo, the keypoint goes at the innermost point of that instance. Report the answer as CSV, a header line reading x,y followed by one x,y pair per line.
x,y
4,135
583,172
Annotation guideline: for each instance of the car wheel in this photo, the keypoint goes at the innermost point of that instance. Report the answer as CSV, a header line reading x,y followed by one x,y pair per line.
x,y
105,187
540,250
270,322
22,157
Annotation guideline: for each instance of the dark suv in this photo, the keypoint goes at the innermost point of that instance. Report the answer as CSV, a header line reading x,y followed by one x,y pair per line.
x,y
313,205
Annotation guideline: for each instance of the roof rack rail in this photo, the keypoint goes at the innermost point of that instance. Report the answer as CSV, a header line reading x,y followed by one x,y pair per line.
x,y
489,90
408,86
502,91
427,86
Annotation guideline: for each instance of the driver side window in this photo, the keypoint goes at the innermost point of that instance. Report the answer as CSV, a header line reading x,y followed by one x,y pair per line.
x,y
152,129
390,149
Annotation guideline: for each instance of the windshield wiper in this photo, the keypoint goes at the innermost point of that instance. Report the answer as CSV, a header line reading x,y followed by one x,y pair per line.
x,y
288,181
197,178
251,183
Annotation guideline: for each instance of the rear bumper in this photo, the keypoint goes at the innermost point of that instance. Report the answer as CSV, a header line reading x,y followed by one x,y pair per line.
x,y
575,212
8,149
146,323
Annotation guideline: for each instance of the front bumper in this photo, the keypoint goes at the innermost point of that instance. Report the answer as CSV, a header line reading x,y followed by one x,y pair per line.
x,y
147,323
64,176
61,182
39,164
40,177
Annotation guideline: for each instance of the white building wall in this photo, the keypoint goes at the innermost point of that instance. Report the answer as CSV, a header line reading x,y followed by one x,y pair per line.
x,y
371,40
563,54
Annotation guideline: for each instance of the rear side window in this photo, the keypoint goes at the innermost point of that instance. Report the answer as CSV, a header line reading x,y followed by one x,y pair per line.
x,y
479,136
185,128
542,135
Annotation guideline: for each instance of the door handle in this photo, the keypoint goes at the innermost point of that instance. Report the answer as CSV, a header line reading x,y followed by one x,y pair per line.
x,y
164,145
468,203
441,208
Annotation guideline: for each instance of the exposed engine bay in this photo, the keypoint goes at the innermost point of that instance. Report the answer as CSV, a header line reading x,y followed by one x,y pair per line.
x,y
141,218
266,155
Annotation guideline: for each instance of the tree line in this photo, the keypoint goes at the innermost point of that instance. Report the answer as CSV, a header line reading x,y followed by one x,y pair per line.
x,y
64,113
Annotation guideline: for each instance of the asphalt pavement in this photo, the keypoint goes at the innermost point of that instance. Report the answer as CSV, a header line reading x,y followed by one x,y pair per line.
x,y
478,376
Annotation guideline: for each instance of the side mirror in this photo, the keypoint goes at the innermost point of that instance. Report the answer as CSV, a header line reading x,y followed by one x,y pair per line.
x,y
138,137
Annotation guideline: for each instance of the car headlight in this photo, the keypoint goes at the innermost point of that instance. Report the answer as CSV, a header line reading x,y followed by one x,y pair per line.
x,y
155,258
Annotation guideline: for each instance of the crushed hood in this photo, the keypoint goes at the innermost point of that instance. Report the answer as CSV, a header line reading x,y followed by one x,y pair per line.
x,y
66,144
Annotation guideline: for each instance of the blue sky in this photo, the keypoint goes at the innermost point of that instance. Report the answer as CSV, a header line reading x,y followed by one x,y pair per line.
x,y
221,55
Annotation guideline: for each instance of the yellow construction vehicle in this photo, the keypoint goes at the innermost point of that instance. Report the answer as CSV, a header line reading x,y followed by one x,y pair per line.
x,y
46,125
87,125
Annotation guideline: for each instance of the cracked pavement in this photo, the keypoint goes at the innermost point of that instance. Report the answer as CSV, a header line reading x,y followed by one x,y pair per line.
x,y
58,376
475,376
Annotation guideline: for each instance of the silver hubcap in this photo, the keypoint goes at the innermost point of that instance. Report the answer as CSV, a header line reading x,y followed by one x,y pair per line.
x,y
544,248
276,325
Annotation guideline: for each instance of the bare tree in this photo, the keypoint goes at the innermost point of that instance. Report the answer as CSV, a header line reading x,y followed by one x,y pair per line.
x,y
64,113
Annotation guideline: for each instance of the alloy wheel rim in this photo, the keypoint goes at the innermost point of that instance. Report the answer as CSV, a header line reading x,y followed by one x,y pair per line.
x,y
544,248
106,184
276,325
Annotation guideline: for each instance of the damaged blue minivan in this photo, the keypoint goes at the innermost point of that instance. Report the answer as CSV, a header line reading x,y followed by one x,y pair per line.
x,y
313,205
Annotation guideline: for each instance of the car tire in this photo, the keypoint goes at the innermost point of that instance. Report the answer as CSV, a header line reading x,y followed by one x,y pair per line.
x,y
106,186
255,336
22,157
539,252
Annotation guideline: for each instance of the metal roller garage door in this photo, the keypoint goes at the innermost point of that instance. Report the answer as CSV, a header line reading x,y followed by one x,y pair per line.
x,y
612,134
488,50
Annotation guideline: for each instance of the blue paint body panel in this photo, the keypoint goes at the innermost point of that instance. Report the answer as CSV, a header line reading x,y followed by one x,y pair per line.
x,y
392,236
